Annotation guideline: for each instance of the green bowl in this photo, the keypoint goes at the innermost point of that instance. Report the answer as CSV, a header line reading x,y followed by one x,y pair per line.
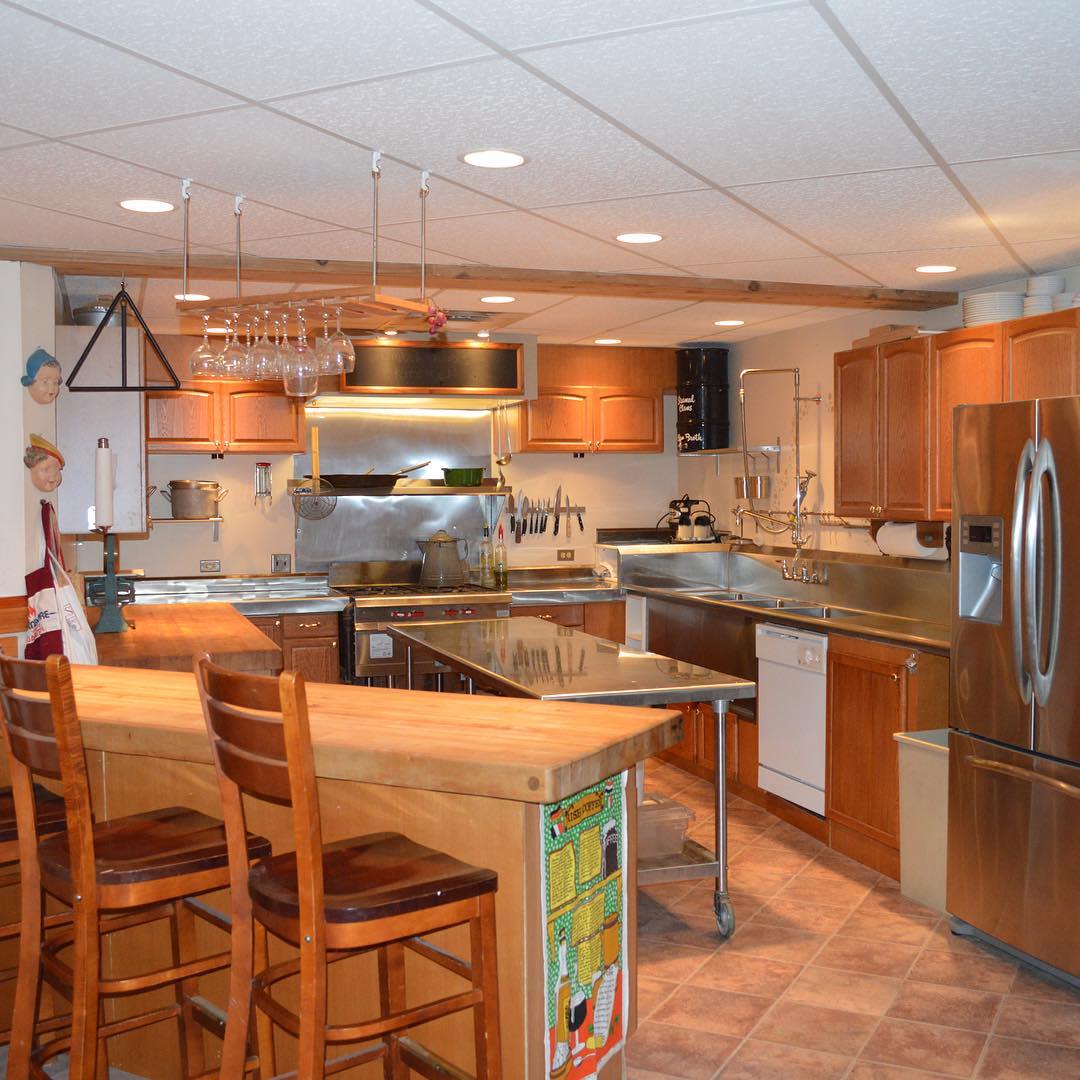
x,y
463,477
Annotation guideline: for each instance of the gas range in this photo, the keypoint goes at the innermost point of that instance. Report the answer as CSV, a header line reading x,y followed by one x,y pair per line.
x,y
367,598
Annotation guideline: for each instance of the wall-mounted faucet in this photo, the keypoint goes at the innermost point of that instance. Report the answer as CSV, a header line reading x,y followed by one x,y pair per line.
x,y
809,575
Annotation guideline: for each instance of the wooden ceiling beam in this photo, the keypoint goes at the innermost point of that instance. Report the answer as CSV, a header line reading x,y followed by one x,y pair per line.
x,y
504,278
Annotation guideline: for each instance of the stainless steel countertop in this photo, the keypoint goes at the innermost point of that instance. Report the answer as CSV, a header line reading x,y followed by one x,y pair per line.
x,y
838,620
538,659
282,594
570,593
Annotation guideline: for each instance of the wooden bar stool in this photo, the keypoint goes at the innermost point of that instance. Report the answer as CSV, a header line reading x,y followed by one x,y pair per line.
x,y
331,901
113,875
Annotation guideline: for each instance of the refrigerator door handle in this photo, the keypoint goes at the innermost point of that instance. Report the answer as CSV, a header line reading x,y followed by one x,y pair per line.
x,y
1018,545
1045,466
1024,774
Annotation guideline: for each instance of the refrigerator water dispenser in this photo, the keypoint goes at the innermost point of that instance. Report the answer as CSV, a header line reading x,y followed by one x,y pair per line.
x,y
980,569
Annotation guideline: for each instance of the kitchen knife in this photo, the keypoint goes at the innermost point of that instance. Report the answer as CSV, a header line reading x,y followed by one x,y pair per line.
x,y
568,515
523,517
544,516
580,523
558,509
510,509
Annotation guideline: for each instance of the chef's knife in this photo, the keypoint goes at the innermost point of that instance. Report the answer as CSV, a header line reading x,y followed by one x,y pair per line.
x,y
544,515
581,524
510,509
568,515
558,509
523,518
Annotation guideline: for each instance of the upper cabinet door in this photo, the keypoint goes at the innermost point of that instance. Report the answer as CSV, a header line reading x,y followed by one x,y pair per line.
x,y
1041,356
903,392
258,420
627,421
857,431
184,420
559,419
965,369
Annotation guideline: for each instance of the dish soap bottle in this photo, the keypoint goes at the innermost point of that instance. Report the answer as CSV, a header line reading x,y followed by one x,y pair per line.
x,y
487,561
502,574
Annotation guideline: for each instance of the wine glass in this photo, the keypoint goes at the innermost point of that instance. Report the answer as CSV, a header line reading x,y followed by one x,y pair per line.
x,y
300,372
344,348
203,361
329,361
265,362
246,368
233,357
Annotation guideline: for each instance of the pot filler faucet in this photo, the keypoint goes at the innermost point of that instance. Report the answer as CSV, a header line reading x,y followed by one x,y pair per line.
x,y
799,539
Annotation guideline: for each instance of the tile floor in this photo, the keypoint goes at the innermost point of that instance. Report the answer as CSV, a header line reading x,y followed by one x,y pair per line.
x,y
831,973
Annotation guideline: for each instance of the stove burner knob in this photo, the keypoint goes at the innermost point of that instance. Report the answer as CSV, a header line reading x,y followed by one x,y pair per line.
x,y
451,611
417,615
399,614
469,611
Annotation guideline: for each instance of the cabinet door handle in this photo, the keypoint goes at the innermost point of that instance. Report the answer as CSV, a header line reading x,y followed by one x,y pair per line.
x,y
307,625
912,663
546,616
894,677
277,622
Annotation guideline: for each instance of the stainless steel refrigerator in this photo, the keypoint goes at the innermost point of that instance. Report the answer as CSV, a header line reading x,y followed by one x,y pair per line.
x,y
1014,769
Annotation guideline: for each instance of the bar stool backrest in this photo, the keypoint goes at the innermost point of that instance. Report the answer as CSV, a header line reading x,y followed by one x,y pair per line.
x,y
44,738
261,739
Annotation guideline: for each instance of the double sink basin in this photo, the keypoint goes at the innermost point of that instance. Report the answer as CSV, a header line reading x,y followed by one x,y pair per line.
x,y
776,603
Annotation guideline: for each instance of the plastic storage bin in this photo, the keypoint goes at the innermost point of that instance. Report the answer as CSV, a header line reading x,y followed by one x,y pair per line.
x,y
662,825
924,814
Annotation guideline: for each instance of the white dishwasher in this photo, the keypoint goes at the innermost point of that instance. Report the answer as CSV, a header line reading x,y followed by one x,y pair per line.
x,y
791,714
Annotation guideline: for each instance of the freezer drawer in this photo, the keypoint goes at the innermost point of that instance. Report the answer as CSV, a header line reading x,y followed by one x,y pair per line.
x,y
1014,848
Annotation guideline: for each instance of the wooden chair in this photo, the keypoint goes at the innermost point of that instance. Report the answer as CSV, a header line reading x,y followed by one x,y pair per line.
x,y
113,875
332,901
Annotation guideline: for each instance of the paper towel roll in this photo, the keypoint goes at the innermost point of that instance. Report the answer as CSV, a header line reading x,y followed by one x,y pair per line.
x,y
103,485
897,538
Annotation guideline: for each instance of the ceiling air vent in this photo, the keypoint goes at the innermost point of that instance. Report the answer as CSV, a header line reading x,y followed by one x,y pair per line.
x,y
468,316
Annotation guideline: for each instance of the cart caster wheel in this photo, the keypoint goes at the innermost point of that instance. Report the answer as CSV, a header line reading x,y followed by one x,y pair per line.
x,y
725,916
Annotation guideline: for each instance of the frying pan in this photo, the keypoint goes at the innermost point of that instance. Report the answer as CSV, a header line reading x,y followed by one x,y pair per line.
x,y
370,479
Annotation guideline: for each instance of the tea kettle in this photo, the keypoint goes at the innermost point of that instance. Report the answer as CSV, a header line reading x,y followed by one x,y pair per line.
x,y
442,566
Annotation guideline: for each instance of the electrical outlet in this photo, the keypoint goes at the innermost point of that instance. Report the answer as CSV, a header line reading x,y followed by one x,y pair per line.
x,y
280,564
565,554
209,566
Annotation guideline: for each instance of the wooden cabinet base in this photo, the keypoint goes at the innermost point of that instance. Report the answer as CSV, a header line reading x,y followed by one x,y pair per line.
x,y
864,849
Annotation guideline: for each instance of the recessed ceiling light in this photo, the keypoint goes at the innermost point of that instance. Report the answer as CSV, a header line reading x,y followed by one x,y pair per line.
x,y
935,269
147,206
190,296
390,333
493,159
483,333
497,299
729,322
217,330
608,341
639,237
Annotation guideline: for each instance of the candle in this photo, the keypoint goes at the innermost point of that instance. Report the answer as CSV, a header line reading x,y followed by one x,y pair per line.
x,y
315,453
103,485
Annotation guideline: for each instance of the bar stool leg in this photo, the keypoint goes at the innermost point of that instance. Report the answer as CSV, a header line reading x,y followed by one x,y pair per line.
x,y
311,1054
238,1016
485,978
85,995
264,1027
392,999
28,986
192,1054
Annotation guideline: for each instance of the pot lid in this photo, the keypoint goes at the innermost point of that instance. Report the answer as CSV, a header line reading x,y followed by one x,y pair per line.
x,y
188,484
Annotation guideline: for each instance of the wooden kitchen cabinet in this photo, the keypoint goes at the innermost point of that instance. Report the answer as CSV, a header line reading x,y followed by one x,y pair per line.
x,y
606,619
1041,355
207,417
271,626
965,369
594,419
882,431
874,690
309,643
571,615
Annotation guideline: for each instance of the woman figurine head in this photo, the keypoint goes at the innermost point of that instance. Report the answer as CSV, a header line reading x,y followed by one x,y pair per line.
x,y
42,377
45,463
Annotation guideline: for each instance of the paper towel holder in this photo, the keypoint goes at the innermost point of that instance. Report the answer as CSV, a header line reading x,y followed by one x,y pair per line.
x,y
928,533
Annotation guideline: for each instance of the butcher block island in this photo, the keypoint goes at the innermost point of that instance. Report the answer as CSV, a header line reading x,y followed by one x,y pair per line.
x,y
541,792
169,637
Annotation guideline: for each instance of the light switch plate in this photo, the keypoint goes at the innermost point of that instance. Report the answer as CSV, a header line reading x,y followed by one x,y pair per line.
x,y
565,554
280,564
209,566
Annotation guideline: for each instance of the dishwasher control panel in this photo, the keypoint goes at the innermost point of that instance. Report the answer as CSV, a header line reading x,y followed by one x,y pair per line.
x,y
811,659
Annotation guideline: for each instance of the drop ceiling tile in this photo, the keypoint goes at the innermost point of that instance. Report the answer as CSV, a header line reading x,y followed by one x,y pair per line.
x,y
885,211
433,118
58,82
521,239
596,315
769,95
1047,255
159,294
975,266
10,136
274,47
982,78
345,244
519,23
271,158
695,322
1029,198
29,226
816,270
697,226
525,304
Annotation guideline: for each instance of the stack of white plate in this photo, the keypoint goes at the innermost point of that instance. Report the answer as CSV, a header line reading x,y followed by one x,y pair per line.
x,y
1065,300
1045,284
992,307
1039,303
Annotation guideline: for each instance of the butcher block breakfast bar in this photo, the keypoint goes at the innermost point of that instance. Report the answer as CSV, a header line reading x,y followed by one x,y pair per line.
x,y
542,792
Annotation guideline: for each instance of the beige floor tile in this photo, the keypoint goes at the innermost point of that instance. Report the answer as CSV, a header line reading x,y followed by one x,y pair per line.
x,y
770,859
850,990
681,928
758,879
831,863
887,926
816,890
888,897
775,942
984,972
1020,1059
872,1070
679,1051
801,915
670,963
651,993
814,1028
925,1046
727,970
721,1011
853,954
759,1060
1032,983
1041,1021
644,1074
950,1006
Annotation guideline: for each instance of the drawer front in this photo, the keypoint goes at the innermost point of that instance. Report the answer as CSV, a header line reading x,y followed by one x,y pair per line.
x,y
320,624
572,615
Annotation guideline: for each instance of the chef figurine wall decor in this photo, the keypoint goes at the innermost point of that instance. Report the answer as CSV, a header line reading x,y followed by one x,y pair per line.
x,y
42,378
45,463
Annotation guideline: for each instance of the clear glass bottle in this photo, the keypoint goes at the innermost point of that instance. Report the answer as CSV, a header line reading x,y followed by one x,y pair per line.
x,y
502,573
487,561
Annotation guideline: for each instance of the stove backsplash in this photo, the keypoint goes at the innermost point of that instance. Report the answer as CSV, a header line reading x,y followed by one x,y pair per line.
x,y
386,528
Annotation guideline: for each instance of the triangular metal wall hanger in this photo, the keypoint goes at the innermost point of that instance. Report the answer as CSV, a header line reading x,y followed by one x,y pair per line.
x,y
124,300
